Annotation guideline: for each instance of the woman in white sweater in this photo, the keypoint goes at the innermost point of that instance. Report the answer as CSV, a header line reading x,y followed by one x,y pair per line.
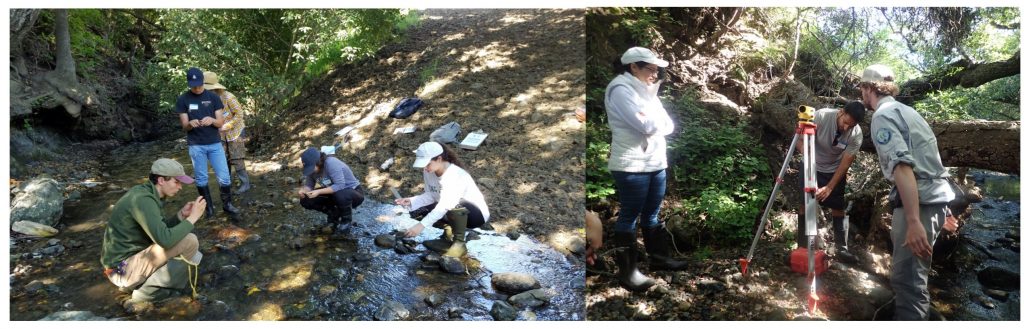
x,y
451,200
639,124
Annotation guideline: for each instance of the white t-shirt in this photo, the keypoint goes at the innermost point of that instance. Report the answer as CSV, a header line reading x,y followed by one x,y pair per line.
x,y
452,188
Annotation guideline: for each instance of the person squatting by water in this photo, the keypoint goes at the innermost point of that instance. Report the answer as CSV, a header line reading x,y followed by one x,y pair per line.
x,y
143,251
451,200
639,123
232,133
908,156
329,187
836,144
202,114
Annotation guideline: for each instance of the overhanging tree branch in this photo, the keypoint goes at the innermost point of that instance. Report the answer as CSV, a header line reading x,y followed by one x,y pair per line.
x,y
967,75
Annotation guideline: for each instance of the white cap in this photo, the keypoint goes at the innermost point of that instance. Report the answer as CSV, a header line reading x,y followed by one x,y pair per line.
x,y
641,54
877,73
425,152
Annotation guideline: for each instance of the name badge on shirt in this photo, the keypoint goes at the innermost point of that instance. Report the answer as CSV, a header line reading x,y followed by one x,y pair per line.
x,y
193,107
324,182
841,145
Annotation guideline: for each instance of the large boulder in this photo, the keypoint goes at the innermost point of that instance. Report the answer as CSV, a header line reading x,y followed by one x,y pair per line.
x,y
502,311
999,278
42,201
514,283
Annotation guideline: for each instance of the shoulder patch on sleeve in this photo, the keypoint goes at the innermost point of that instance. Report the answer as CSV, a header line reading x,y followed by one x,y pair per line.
x,y
883,136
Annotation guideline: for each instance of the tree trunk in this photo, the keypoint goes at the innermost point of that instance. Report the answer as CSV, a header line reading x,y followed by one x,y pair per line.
x,y
65,62
22,21
971,75
990,145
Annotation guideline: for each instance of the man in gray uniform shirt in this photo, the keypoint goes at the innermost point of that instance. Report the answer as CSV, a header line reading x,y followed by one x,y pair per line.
x,y
836,142
909,157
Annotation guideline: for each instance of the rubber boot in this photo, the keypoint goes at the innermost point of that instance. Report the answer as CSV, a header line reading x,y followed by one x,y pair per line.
x,y
658,242
840,229
458,219
225,197
343,220
243,176
443,242
204,191
629,275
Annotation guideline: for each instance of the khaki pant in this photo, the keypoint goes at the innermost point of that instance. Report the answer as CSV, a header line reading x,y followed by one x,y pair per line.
x,y
909,276
235,149
140,266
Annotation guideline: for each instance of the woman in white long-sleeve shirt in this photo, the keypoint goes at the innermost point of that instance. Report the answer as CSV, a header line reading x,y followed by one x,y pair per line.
x,y
451,196
639,124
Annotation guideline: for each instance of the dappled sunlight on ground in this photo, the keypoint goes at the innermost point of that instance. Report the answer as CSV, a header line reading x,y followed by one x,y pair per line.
x,y
268,312
433,86
294,276
512,74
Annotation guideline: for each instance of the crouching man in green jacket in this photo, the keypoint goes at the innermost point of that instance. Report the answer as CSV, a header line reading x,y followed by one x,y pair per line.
x,y
140,246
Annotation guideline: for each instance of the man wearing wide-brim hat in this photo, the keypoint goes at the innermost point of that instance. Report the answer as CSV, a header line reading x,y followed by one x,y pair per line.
x,y
909,158
232,133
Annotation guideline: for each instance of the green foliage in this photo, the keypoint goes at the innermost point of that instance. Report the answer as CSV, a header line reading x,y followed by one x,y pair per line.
x,y
720,172
598,78
600,184
360,39
996,100
640,23
265,56
701,254
427,74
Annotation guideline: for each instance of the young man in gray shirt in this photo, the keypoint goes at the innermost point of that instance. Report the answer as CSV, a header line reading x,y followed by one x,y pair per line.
x,y
837,140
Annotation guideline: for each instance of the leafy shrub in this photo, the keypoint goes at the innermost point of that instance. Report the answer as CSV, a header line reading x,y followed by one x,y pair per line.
x,y
600,184
720,172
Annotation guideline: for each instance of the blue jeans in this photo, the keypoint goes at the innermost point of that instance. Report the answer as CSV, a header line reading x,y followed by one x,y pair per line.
x,y
214,155
639,194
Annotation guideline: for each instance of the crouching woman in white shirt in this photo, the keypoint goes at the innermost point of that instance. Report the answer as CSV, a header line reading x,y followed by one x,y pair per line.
x,y
452,198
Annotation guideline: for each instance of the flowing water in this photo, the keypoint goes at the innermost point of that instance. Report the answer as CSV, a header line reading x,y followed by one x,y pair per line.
x,y
961,296
277,264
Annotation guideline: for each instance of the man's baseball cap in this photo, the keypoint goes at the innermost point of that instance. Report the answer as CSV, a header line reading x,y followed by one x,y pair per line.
x,y
194,76
170,168
877,73
641,54
425,152
309,159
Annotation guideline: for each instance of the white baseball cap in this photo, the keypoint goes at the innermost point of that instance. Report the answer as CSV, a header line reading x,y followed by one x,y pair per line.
x,y
877,73
425,152
641,54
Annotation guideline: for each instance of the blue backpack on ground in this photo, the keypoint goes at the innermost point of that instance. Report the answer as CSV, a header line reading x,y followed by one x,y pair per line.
x,y
405,108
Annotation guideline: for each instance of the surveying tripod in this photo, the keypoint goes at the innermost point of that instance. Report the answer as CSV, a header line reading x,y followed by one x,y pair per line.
x,y
805,131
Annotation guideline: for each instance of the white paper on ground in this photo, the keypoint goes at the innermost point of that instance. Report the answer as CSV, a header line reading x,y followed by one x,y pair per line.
x,y
404,130
473,140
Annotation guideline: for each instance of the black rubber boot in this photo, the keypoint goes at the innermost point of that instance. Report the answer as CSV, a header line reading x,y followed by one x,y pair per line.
x,y
458,218
243,176
342,221
840,229
225,197
204,191
660,249
629,276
